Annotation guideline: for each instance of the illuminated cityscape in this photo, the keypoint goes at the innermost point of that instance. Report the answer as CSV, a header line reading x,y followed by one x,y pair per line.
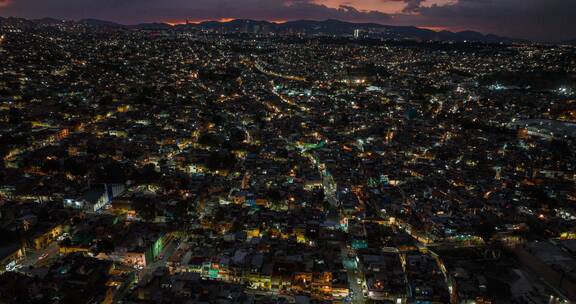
x,y
298,162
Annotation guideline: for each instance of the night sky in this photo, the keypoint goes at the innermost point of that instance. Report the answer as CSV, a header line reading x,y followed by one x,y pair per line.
x,y
544,20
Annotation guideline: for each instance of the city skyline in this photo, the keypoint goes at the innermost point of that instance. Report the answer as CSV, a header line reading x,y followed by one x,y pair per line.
x,y
538,20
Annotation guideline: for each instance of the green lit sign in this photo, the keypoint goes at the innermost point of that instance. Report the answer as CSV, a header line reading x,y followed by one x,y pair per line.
x,y
213,273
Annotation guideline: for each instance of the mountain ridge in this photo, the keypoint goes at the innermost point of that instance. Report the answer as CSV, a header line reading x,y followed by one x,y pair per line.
x,y
341,28
328,27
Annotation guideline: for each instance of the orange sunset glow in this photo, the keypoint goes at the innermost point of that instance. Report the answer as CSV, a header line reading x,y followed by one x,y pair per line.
x,y
542,20
198,21
378,5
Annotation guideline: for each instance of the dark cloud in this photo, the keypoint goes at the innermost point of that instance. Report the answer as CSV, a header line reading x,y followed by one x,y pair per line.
x,y
544,20
411,5
132,11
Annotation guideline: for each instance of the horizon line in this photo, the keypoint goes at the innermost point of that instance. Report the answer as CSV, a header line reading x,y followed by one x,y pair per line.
x,y
279,22
221,20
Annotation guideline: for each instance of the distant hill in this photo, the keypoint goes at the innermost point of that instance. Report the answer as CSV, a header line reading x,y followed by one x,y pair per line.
x,y
48,21
328,27
100,23
341,28
153,26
